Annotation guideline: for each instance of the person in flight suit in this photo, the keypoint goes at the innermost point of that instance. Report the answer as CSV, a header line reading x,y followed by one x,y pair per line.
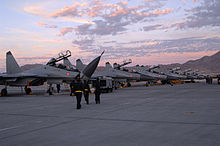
x,y
78,89
86,92
97,91
58,88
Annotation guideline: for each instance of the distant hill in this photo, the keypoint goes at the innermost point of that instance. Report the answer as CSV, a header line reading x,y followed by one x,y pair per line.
x,y
205,65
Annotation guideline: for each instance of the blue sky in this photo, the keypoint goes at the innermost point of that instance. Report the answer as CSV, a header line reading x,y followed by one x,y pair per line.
x,y
147,31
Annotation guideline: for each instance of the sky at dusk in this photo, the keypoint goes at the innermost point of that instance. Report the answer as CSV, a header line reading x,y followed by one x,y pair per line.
x,y
147,31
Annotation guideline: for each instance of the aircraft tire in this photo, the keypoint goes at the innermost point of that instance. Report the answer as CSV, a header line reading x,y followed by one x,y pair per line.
x,y
28,91
163,82
4,92
129,84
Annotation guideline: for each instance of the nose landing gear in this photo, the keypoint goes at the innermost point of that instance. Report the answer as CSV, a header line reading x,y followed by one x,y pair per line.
x,y
4,92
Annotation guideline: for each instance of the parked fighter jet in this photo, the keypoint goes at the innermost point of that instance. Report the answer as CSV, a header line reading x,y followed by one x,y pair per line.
x,y
115,72
189,75
37,76
179,75
146,72
172,74
197,76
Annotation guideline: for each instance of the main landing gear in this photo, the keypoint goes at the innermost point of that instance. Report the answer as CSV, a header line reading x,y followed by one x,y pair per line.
x,y
4,92
27,90
50,89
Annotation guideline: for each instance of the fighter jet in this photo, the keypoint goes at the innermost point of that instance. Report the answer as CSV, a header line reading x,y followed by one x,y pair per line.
x,y
140,74
172,74
115,72
179,75
189,75
196,75
148,75
37,76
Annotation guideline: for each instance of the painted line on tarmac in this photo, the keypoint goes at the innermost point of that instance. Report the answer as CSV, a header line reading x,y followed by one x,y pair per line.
x,y
9,128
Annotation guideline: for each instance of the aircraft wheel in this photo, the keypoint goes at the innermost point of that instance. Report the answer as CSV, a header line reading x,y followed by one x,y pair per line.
x,y
163,82
129,84
4,92
28,91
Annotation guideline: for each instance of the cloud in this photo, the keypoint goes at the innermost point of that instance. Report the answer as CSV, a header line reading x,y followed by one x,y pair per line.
x,y
67,11
65,30
152,27
38,9
207,14
101,28
165,11
151,47
46,25
77,20
110,18
35,10
41,24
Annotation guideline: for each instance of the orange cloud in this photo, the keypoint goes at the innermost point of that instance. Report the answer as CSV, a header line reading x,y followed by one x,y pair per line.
x,y
94,11
35,10
46,25
118,10
65,30
41,24
165,11
69,10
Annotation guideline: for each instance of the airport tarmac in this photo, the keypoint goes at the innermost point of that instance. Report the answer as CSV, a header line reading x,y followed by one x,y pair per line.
x,y
179,115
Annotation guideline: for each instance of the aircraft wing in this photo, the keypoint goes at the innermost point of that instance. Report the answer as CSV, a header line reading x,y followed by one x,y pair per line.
x,y
105,73
22,75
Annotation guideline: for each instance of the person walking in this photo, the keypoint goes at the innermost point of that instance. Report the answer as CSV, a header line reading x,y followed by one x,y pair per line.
x,y
97,91
86,92
78,89
58,88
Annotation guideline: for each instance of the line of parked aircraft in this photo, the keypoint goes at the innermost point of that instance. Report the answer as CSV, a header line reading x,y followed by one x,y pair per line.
x,y
53,73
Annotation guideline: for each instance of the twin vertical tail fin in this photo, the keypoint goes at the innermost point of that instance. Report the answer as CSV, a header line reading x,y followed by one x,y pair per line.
x,y
12,66
79,65
108,65
67,62
91,67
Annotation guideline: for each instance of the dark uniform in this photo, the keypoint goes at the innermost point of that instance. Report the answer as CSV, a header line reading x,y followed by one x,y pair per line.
x,y
86,92
58,88
97,92
218,79
78,89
